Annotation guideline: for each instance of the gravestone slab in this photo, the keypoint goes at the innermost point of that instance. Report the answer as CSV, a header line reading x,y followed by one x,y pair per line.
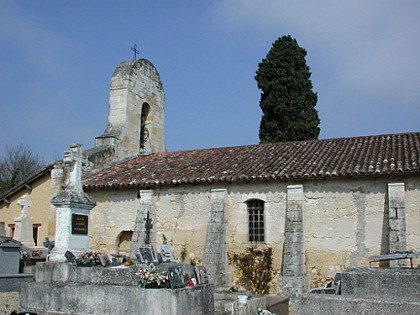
x,y
201,274
165,251
146,255
176,277
9,255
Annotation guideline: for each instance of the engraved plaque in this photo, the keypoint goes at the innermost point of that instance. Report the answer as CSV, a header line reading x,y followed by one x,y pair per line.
x,y
79,224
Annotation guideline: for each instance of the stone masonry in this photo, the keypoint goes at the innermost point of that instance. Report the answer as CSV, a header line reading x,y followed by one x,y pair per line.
x,y
396,221
136,111
139,233
215,256
293,281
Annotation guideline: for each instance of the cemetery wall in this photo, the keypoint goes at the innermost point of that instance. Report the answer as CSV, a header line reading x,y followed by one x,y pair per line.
x,y
41,211
343,219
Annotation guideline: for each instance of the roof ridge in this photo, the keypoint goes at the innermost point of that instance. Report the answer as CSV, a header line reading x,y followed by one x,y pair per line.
x,y
387,154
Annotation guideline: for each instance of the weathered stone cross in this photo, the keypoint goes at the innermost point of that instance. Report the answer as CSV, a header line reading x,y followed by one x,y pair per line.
x,y
135,51
24,204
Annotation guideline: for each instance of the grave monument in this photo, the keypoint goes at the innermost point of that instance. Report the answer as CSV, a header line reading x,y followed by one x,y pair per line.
x,y
73,207
23,223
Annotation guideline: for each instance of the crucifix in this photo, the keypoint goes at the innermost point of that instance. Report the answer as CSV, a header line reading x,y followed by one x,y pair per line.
x,y
148,225
24,204
134,49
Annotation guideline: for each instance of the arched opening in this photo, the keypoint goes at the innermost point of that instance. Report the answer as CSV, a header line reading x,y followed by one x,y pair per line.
x,y
124,242
144,132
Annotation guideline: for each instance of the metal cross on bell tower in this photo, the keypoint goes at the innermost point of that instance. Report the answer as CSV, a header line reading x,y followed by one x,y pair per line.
x,y
134,49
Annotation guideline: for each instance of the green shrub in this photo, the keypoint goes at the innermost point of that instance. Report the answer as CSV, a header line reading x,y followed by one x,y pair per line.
x,y
255,268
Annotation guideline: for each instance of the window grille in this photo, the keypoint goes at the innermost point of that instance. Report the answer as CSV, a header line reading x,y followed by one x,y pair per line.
x,y
255,221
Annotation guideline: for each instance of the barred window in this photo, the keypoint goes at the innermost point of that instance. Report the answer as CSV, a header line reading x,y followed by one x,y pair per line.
x,y
255,221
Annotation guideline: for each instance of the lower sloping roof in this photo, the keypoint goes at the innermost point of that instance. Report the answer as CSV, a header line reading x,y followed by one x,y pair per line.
x,y
27,183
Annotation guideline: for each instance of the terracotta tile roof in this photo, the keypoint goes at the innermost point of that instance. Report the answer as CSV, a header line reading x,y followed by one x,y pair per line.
x,y
344,157
27,183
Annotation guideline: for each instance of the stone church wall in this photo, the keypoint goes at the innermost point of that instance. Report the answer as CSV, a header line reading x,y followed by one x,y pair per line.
x,y
114,213
343,219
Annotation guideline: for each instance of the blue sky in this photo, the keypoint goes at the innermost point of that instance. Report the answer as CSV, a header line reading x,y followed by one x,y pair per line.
x,y
57,58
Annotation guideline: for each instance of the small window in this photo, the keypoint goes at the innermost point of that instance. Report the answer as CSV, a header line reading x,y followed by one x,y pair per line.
x,y
255,221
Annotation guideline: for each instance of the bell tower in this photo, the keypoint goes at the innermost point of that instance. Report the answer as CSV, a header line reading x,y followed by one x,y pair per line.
x,y
136,111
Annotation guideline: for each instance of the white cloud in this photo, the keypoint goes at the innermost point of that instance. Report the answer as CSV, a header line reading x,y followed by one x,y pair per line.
x,y
364,52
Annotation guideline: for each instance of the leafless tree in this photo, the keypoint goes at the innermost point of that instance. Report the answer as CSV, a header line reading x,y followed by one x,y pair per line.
x,y
16,164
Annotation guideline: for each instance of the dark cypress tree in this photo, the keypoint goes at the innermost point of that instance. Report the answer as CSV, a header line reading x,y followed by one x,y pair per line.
x,y
287,100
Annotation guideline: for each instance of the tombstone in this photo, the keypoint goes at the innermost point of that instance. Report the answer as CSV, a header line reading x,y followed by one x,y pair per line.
x,y
164,251
73,208
146,255
23,223
176,277
201,274
9,255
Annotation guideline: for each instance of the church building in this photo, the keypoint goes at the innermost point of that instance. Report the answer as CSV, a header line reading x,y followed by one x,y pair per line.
x,y
321,205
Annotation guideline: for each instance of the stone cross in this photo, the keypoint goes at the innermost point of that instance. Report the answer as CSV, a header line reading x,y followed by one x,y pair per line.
x,y
24,204
73,160
23,223
134,49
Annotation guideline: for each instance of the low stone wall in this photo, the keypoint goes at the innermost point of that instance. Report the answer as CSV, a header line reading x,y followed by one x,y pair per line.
x,y
9,291
387,291
62,288
400,284
313,304
51,298
12,283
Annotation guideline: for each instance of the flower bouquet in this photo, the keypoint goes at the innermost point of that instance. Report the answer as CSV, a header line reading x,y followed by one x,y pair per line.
x,y
89,258
151,277
260,311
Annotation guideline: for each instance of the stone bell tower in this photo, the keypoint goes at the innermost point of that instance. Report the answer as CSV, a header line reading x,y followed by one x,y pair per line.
x,y
136,112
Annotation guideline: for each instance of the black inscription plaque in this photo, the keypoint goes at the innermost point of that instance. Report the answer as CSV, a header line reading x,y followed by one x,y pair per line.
x,y
79,224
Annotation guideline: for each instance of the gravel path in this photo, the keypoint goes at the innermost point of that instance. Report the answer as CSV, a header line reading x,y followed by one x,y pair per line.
x,y
8,302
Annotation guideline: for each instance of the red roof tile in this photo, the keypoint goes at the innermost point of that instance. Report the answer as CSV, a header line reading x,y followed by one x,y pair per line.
x,y
357,156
